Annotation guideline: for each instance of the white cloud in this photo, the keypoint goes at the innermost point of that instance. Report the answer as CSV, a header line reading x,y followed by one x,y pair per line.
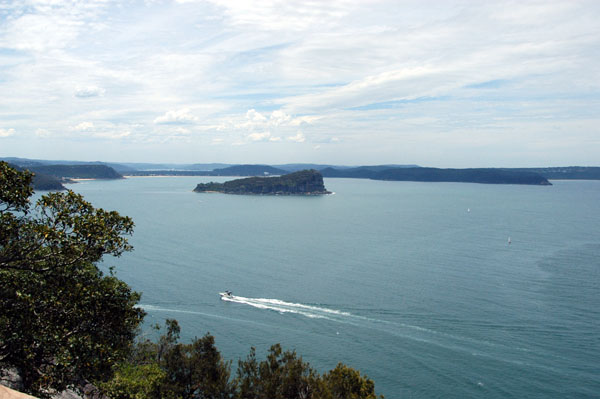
x,y
259,136
6,132
181,116
181,131
279,118
89,91
378,76
276,119
254,116
298,138
83,127
277,15
112,134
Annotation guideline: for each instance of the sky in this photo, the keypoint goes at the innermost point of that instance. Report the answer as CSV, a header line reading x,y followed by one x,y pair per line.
x,y
441,83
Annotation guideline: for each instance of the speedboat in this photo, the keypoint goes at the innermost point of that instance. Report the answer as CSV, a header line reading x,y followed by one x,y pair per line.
x,y
226,295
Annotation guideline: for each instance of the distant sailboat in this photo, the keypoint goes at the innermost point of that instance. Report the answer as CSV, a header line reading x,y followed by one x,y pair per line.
x,y
509,240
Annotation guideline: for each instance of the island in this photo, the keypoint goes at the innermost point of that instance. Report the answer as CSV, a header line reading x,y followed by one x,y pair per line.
x,y
304,182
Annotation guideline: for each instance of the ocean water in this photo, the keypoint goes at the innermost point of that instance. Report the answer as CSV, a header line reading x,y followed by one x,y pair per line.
x,y
414,284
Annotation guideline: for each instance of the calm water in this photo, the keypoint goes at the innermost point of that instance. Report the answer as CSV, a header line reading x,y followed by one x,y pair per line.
x,y
414,284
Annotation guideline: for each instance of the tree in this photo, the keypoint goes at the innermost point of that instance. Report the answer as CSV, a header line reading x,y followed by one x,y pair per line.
x,y
346,383
169,369
281,376
61,319
188,371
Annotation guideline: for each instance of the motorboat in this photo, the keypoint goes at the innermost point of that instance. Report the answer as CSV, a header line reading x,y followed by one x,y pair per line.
x,y
226,295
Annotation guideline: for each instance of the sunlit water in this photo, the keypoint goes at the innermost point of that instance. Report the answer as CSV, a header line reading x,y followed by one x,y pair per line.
x,y
415,284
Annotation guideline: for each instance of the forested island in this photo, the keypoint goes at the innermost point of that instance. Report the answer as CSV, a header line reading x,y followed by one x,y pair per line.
x,y
304,182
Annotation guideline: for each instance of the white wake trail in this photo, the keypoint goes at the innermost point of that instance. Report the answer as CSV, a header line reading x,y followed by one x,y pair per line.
x,y
315,312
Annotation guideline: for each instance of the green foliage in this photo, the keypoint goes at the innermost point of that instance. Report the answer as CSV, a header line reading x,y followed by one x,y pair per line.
x,y
15,189
61,319
196,370
281,376
135,382
346,383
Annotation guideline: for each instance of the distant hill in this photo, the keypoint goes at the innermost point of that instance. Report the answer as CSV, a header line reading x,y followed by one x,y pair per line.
x,y
305,182
26,163
564,172
487,176
356,173
21,162
248,170
328,170
43,182
77,171
154,167
294,167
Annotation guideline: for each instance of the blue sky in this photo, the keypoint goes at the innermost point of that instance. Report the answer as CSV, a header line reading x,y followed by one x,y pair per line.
x,y
436,83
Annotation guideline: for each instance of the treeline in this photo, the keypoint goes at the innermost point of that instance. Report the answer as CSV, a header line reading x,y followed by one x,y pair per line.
x,y
64,323
169,369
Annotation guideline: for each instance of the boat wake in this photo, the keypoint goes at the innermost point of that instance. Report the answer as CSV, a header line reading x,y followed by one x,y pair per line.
x,y
277,305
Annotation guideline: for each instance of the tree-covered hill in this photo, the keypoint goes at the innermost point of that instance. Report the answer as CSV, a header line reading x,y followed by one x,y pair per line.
x,y
305,182
46,183
481,175
564,172
248,170
42,182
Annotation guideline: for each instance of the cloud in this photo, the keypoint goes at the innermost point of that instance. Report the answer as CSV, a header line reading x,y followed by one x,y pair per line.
x,y
83,127
112,134
298,138
6,132
259,136
276,119
254,116
181,116
379,76
89,91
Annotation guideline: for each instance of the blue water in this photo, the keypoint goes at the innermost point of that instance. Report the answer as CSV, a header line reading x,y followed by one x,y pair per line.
x,y
415,284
